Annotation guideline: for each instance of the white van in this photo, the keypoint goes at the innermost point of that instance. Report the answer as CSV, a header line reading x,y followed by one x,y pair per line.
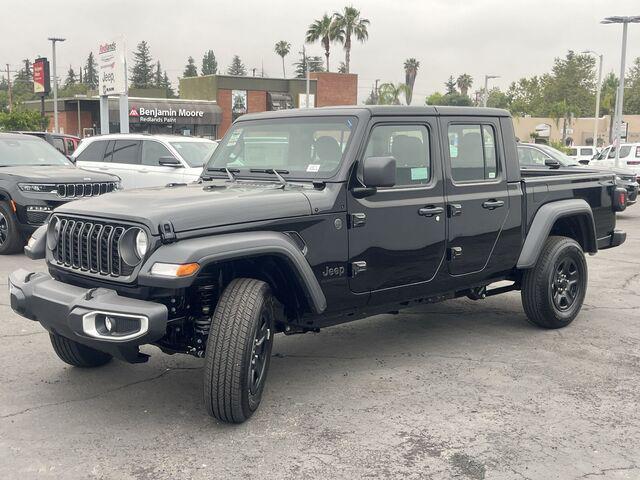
x,y
629,156
583,153
145,160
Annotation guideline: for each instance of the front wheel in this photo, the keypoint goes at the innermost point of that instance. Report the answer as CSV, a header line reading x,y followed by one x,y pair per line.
x,y
76,354
554,289
11,239
239,350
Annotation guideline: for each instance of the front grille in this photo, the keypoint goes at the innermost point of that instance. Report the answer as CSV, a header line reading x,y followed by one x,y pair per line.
x,y
78,190
37,217
90,246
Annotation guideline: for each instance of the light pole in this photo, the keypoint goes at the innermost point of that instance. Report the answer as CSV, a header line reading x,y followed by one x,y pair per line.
x,y
486,88
625,21
53,41
307,64
598,92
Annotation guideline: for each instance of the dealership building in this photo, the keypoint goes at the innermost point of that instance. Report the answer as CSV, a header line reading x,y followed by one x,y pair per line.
x,y
207,105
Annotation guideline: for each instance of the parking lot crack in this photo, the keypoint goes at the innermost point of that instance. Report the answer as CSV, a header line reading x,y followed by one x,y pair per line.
x,y
602,472
97,395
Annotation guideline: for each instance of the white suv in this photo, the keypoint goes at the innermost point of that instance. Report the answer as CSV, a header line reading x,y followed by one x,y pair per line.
x,y
583,153
145,160
629,156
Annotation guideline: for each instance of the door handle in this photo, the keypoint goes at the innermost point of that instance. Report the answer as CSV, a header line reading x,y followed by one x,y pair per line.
x,y
492,204
430,211
455,209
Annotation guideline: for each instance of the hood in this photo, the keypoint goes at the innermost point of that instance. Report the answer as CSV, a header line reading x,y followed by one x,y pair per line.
x,y
55,174
617,171
195,206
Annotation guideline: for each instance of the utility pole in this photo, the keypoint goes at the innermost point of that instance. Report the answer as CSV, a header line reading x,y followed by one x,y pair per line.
x,y
486,88
53,41
10,90
376,90
625,21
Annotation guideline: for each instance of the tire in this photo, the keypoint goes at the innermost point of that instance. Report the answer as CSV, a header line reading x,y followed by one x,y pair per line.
x,y
242,328
76,354
11,240
554,289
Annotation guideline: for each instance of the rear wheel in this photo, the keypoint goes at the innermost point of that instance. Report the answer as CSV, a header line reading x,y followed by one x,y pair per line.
x,y
76,354
554,289
11,240
239,350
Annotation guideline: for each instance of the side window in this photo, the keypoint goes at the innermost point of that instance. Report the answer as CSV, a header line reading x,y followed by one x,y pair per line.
x,y
152,151
625,150
531,157
93,153
125,151
70,146
637,152
539,158
472,149
409,145
586,152
59,144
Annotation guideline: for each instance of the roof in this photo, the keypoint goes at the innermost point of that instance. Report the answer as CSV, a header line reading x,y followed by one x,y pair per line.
x,y
381,110
142,136
38,134
16,136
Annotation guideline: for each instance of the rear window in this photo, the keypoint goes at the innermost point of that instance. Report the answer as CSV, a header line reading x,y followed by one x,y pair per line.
x,y
124,151
573,152
93,153
586,151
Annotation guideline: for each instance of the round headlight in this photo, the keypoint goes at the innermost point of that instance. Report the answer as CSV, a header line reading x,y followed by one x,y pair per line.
x,y
53,233
142,244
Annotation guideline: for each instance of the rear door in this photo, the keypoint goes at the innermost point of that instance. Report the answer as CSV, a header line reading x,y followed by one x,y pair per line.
x,y
92,156
476,190
152,174
397,236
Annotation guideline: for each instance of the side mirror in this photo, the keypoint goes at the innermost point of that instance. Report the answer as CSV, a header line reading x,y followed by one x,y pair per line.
x,y
379,172
551,163
169,162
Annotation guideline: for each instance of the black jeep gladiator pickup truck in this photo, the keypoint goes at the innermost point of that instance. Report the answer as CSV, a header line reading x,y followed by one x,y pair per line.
x,y
309,218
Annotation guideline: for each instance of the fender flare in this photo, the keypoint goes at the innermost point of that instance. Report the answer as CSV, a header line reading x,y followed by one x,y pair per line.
x,y
220,248
543,222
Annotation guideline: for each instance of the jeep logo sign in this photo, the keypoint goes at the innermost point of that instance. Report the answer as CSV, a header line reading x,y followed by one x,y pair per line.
x,y
112,74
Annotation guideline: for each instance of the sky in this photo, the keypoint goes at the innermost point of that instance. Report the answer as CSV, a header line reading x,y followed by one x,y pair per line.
x,y
509,38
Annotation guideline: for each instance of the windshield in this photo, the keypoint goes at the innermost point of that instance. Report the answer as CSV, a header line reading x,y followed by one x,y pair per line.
x,y
195,154
301,147
29,151
564,160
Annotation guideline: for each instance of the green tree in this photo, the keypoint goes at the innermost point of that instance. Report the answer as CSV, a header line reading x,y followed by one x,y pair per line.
x,y
91,72
526,96
349,23
497,98
451,99
71,78
608,96
190,70
324,30
237,67
434,99
283,48
209,63
142,71
450,85
389,93
166,84
314,63
20,120
342,68
157,76
632,95
464,83
411,66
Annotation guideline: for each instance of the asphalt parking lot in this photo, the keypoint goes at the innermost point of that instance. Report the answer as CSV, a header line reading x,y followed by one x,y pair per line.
x,y
460,389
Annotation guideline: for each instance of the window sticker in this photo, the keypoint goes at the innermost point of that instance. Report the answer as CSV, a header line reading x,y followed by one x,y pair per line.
x,y
419,173
235,136
313,167
492,174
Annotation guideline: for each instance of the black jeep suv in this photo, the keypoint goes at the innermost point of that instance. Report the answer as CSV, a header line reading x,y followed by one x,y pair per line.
x,y
305,219
34,179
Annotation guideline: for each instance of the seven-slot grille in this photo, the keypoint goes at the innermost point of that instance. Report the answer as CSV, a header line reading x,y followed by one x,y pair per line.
x,y
91,247
76,190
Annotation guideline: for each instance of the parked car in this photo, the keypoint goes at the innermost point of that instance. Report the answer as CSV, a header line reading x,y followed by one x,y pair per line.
x,y
65,144
582,153
534,155
309,218
35,178
146,160
629,156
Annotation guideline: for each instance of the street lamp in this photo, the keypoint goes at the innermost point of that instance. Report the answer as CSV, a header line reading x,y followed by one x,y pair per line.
x,y
598,92
53,41
486,87
307,63
625,21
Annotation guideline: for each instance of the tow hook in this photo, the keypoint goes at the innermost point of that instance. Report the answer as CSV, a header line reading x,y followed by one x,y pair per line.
x,y
478,293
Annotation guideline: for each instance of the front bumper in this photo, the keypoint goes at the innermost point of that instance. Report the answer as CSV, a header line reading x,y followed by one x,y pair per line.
x,y
69,310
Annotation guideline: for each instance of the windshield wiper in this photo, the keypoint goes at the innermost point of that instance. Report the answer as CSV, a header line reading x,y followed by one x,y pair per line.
x,y
229,171
273,171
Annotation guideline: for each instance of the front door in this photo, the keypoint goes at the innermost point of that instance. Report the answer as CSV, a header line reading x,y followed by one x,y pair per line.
x,y
476,190
151,173
397,236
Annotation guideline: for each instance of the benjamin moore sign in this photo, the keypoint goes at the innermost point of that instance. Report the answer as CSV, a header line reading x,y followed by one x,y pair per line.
x,y
173,113
112,68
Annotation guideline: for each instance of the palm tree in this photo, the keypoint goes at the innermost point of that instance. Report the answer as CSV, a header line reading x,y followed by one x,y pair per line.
x,y
283,48
464,83
411,66
349,23
389,94
323,30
